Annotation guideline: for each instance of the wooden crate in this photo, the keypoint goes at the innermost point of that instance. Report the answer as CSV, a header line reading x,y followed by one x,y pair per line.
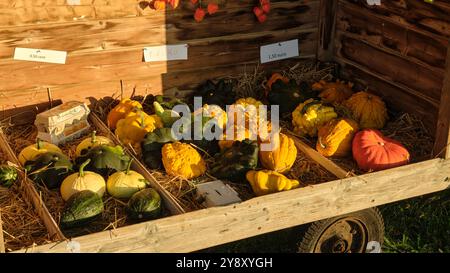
x,y
399,50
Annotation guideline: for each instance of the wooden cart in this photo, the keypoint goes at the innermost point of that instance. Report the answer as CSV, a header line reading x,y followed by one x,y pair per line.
x,y
399,49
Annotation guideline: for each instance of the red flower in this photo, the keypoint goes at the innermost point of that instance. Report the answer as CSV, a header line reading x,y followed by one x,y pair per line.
x,y
199,14
266,8
212,8
262,18
258,11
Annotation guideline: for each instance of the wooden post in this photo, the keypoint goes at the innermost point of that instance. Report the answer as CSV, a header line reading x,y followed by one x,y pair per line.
x,y
442,142
2,241
327,22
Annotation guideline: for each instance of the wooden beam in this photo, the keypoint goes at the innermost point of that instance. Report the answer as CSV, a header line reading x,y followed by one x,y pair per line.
x,y
2,241
443,125
327,22
318,158
209,227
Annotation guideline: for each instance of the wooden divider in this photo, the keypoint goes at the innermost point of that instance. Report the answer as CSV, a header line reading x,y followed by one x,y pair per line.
x,y
2,241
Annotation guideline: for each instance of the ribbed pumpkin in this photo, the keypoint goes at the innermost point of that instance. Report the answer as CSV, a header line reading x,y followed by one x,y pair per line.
x,y
266,182
310,115
373,151
244,104
333,92
335,137
368,110
181,159
282,157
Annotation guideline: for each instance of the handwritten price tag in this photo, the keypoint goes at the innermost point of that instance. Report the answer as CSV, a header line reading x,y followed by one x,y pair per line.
x,y
279,51
40,55
166,53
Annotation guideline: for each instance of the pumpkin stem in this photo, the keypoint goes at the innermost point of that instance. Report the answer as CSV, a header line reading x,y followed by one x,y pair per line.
x,y
81,171
93,137
128,166
39,143
320,143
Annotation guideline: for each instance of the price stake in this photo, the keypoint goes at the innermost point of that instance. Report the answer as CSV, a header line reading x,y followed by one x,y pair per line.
x,y
166,53
279,51
40,55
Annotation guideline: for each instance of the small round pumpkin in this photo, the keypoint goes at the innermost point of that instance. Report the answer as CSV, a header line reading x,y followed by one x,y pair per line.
x,y
124,184
368,110
32,151
121,111
181,159
333,92
91,142
373,151
83,180
282,157
335,137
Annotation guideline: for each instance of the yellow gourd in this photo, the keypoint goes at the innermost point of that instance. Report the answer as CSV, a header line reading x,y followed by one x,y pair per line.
x,y
368,110
243,104
124,184
335,138
83,180
121,110
32,151
213,112
91,142
310,115
181,159
133,129
266,182
283,155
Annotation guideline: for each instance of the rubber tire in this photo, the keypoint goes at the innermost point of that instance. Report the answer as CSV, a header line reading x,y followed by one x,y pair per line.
x,y
371,218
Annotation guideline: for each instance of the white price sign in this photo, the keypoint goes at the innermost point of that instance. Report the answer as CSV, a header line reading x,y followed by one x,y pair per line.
x,y
279,51
166,53
40,55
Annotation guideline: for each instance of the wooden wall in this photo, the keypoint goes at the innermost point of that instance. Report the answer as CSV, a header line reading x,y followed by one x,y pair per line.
x,y
102,52
399,49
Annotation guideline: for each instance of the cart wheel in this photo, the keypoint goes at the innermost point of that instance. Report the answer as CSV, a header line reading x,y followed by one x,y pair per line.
x,y
350,233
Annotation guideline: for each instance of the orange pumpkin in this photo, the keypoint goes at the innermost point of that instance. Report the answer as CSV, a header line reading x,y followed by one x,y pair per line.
x,y
333,92
368,110
373,151
275,77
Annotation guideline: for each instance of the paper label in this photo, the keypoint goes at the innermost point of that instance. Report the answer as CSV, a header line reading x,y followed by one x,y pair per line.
x,y
166,53
40,55
374,2
279,51
74,2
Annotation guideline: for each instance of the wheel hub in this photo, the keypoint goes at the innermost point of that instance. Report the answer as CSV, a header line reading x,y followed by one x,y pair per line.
x,y
346,235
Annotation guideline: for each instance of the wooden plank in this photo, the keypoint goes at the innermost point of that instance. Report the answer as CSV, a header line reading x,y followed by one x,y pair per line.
x,y
169,200
31,195
416,47
20,14
413,78
395,97
442,142
320,159
117,65
118,34
2,240
430,19
214,226
327,20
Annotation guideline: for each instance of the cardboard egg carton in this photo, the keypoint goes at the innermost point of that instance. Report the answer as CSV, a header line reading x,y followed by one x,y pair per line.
x,y
63,123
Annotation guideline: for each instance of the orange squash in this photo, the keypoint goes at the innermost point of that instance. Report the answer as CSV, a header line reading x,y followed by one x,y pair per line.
x,y
373,151
335,137
333,92
368,110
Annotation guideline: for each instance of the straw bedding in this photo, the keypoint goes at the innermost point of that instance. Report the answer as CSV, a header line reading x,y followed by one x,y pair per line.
x,y
22,227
